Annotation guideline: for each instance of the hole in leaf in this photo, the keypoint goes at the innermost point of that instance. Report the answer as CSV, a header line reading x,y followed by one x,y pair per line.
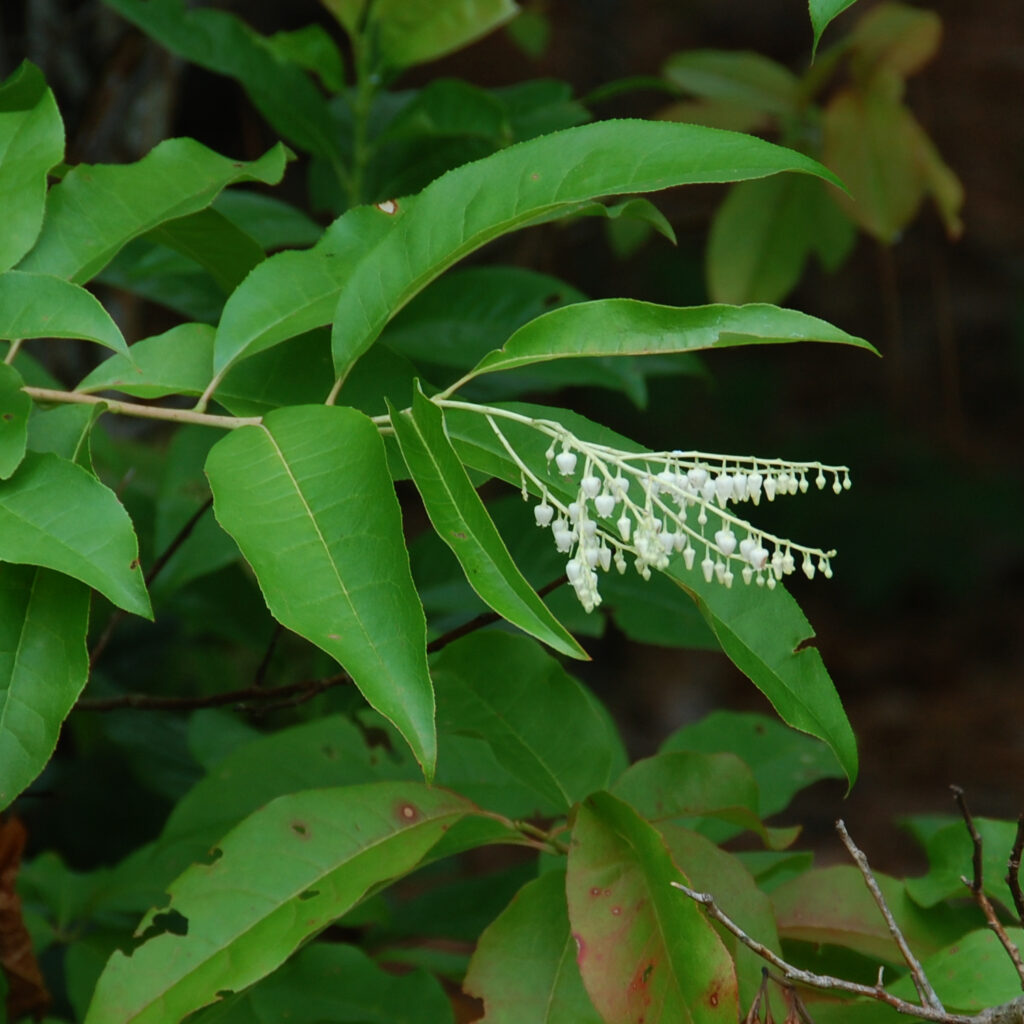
x,y
300,828
309,894
168,922
211,856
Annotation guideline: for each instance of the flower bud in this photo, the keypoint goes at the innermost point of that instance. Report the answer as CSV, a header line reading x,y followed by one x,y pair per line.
x,y
566,462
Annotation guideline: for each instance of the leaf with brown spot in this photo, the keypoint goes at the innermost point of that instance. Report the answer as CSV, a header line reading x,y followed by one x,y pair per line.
x,y
252,908
26,991
645,957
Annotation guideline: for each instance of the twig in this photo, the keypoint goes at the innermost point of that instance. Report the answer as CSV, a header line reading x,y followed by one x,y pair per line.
x,y
277,697
154,571
292,693
482,620
825,982
1013,870
976,862
924,989
261,670
150,412
753,1014
978,892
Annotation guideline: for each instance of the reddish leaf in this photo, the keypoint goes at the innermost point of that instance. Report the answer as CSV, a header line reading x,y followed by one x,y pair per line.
x,y
646,957
26,992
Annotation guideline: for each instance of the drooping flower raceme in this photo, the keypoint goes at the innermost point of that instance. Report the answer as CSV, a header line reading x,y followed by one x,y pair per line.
x,y
649,507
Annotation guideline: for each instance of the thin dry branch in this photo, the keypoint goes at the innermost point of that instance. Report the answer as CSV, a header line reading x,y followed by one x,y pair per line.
x,y
977,890
1013,870
930,1008
825,982
157,567
269,697
924,989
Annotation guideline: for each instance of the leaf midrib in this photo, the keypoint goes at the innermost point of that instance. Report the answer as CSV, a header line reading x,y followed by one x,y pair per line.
x,y
370,641
288,899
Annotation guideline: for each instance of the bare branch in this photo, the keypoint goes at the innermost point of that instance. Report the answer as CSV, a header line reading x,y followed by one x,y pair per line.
x,y
921,982
117,615
482,620
977,890
1013,870
961,802
277,697
828,983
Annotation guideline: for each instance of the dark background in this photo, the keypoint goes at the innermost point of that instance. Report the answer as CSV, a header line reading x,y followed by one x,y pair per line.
x,y
922,627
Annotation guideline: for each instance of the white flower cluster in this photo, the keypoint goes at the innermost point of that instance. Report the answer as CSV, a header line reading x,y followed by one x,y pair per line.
x,y
656,506
653,506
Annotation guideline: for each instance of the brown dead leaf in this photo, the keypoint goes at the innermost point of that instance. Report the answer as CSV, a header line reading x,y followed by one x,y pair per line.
x,y
26,991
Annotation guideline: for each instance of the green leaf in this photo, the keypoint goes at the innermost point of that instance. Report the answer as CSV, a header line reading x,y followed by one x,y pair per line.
x,y
971,975
465,314
894,38
177,362
97,208
165,277
273,223
507,691
524,967
822,12
449,108
312,49
711,869
737,77
328,751
329,981
461,521
294,292
765,231
65,430
688,785
540,106
888,162
408,32
833,905
15,407
764,633
644,952
31,144
297,372
223,43
622,327
783,760
181,496
478,202
308,498
55,514
43,667
283,875
370,263
41,306
215,243
656,611
949,857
